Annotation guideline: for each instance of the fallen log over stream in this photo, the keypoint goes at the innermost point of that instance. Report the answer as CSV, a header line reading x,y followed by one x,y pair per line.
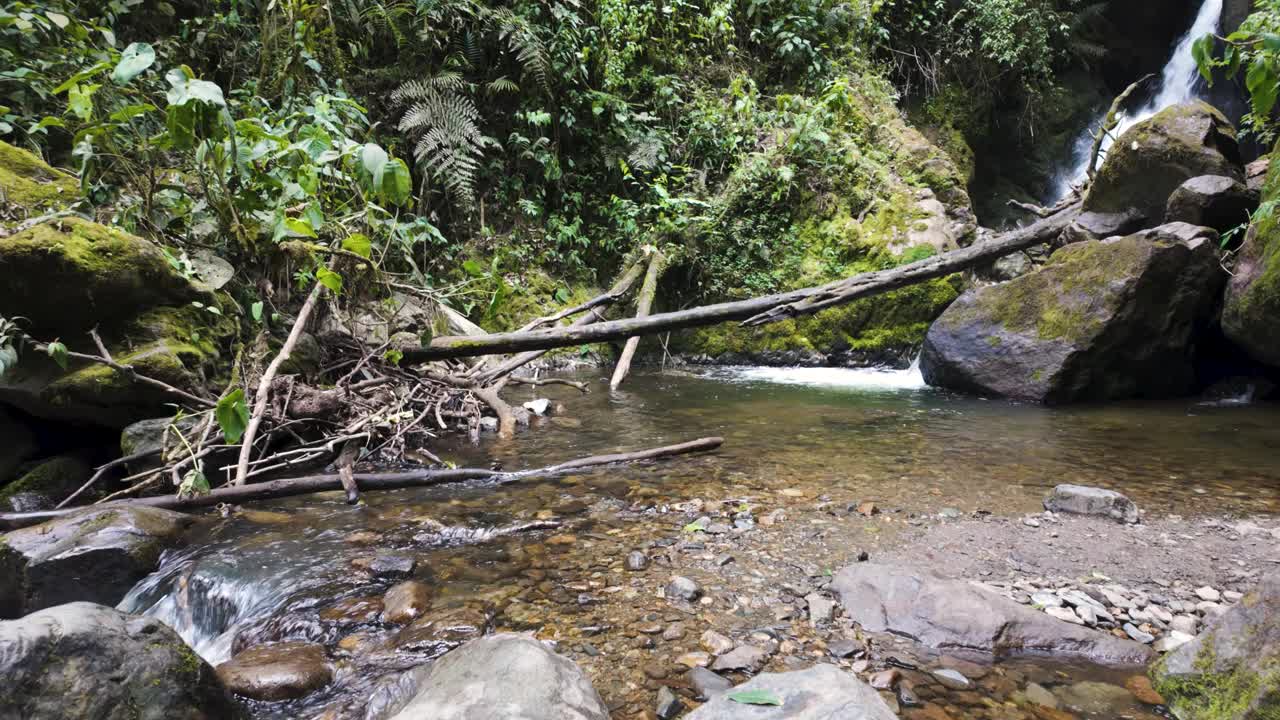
x,y
754,311
366,482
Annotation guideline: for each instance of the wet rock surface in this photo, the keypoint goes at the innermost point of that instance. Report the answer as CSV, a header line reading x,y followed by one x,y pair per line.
x,y
82,660
277,671
1084,500
94,555
500,677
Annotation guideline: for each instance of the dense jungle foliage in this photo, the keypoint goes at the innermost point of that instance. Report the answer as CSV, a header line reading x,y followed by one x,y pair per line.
x,y
463,143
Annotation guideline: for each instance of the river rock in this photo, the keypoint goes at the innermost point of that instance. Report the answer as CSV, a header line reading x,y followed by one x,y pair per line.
x,y
747,658
1215,201
500,677
1095,699
682,588
822,692
1085,500
1097,322
405,601
1251,310
101,274
277,671
1231,671
706,683
1151,159
96,554
1102,225
82,660
45,485
956,615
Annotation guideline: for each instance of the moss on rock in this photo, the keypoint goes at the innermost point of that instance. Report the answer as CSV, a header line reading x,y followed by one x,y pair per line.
x,y
45,485
101,275
1251,313
31,186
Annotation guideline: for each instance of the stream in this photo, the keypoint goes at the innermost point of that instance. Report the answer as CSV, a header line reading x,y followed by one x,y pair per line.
x,y
301,568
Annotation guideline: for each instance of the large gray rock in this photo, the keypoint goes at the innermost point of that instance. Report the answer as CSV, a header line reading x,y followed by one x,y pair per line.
x,y
91,662
1231,671
1085,500
1101,320
1215,201
1151,159
503,677
1100,226
957,615
96,555
1251,310
822,692
45,485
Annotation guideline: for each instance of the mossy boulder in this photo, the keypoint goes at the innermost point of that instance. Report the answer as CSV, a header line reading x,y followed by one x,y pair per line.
x,y
45,485
1231,671
82,660
882,330
96,554
68,275
1151,159
1251,312
29,186
179,345
1102,320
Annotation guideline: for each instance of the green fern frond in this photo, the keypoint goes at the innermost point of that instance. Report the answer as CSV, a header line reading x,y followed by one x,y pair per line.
x,y
449,143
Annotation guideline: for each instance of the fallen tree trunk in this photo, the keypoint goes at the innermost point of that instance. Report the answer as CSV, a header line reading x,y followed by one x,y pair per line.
x,y
644,303
366,482
754,311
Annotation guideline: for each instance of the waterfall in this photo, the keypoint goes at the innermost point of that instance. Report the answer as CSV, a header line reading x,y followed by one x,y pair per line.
x,y
1179,82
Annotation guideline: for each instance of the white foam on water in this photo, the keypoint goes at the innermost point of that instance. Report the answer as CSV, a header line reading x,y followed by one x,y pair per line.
x,y
880,379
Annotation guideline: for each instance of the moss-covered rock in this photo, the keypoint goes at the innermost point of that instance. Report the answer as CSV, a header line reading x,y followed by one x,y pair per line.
x,y
82,660
179,345
1102,320
1251,313
1151,159
68,275
95,554
29,187
1231,671
45,485
885,329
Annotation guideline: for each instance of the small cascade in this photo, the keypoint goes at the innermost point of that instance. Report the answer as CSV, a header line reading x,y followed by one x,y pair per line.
x,y
872,379
1178,83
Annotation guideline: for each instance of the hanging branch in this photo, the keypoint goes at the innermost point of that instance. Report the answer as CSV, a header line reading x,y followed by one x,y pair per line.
x,y
644,302
1109,123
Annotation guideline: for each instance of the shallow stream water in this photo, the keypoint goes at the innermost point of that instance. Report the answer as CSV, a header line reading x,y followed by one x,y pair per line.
x,y
300,568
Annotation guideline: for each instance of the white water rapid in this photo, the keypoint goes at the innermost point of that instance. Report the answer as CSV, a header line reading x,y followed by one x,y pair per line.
x,y
1179,82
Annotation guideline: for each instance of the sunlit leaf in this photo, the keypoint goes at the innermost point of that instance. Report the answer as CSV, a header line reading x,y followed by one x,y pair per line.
x,y
755,697
133,61
329,279
298,228
232,415
256,311
359,244
58,352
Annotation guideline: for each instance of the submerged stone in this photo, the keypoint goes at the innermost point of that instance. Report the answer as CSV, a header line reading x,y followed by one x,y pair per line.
x,y
277,671
1103,320
97,554
82,660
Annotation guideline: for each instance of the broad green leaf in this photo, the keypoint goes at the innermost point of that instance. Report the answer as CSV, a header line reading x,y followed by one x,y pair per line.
x,y
193,483
256,311
58,19
1271,42
329,279
1202,52
58,352
1263,83
562,295
129,112
299,228
397,184
359,244
80,100
133,61
393,356
755,697
232,415
80,77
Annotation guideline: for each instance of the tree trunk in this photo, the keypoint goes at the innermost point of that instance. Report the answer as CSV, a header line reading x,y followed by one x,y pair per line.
x,y
644,303
759,310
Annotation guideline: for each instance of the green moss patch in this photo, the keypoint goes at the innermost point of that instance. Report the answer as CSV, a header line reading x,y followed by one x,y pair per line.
x,y
31,186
